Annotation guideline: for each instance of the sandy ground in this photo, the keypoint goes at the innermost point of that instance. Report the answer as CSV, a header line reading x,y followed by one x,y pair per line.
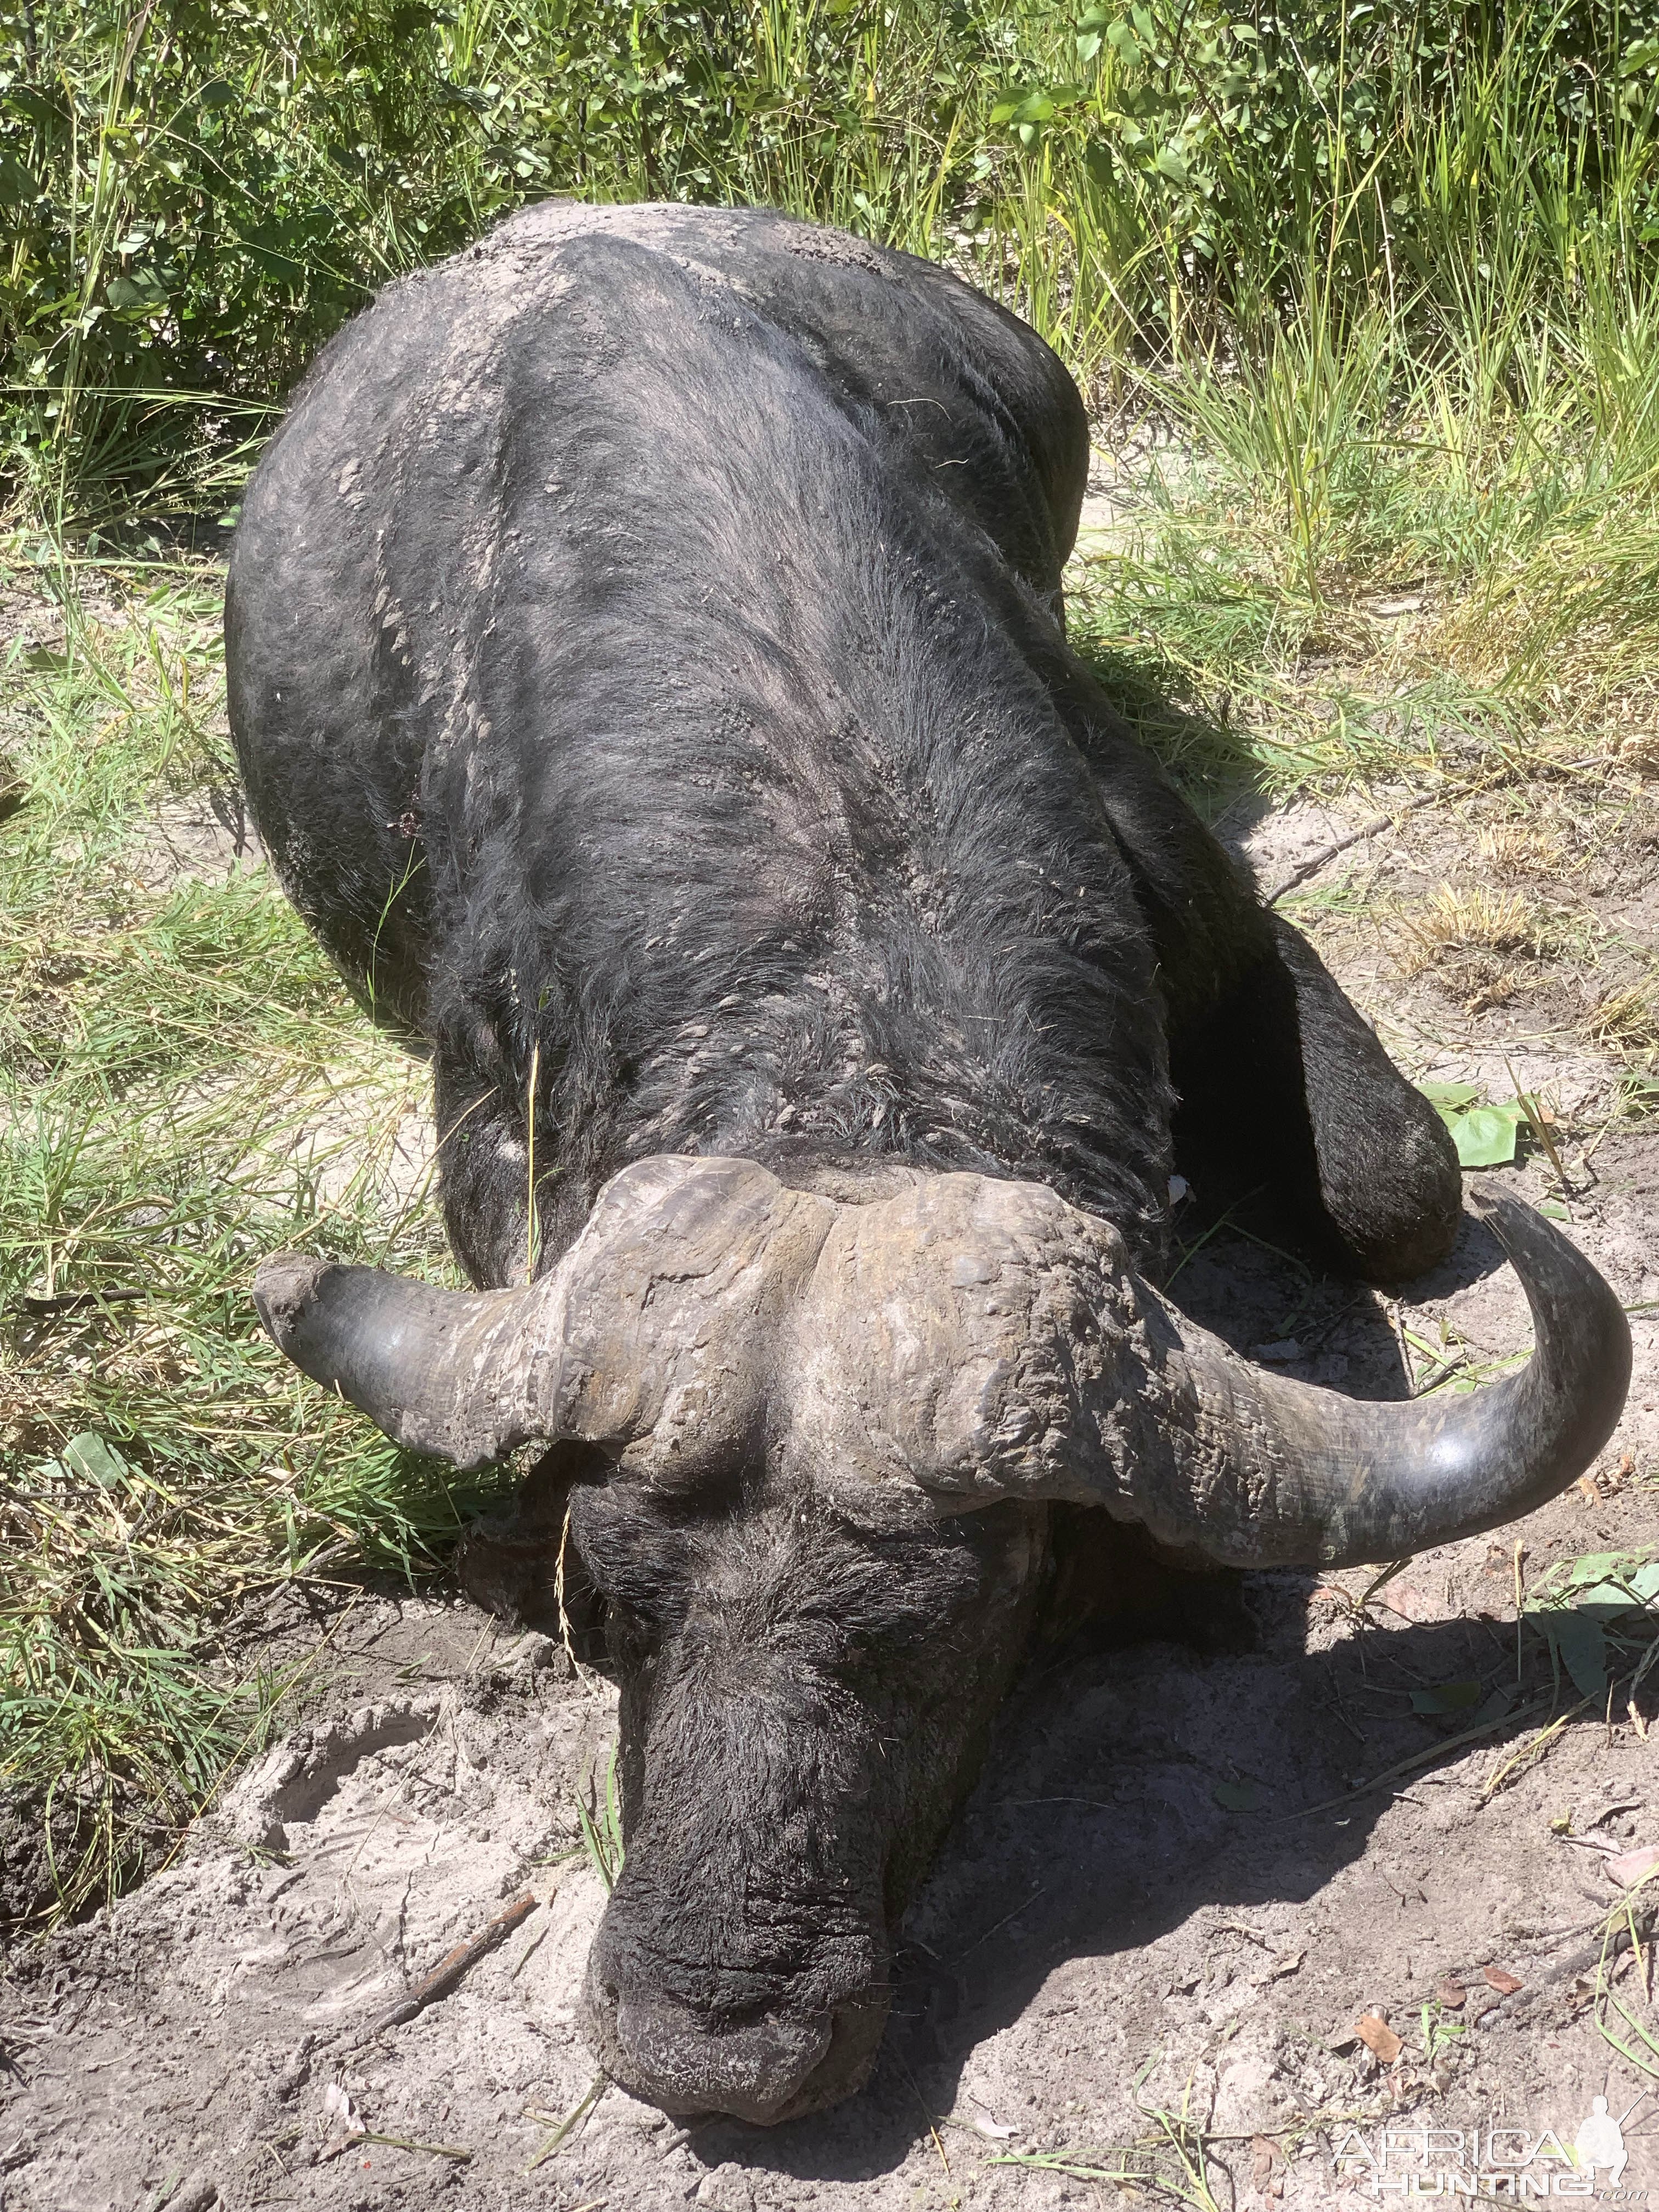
x,y
1179,1885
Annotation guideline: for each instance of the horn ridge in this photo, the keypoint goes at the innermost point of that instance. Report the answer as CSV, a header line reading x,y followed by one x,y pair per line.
x,y
975,1339
966,1339
651,1334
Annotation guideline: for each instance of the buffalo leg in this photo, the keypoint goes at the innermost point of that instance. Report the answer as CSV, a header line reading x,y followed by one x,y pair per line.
x,y
1282,1084
1279,1084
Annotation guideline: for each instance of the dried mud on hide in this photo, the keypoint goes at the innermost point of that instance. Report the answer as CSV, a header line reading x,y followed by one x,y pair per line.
x,y
1350,1879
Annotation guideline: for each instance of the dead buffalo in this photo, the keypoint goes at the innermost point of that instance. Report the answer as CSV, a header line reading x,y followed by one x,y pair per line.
x,y
648,673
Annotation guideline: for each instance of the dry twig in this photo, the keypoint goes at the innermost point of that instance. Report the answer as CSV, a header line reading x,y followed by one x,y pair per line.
x,y
453,1964
1379,823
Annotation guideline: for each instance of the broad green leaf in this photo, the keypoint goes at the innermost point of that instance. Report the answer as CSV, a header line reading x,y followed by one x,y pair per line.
x,y
90,1455
1595,1567
1457,1094
1494,1709
1446,1697
1605,1597
1581,1647
1239,1796
1486,1137
1036,107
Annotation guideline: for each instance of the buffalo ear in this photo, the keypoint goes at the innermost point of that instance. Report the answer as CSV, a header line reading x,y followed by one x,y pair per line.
x,y
515,1563
450,1373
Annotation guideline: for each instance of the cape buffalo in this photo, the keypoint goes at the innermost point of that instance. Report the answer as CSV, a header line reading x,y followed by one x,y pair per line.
x,y
649,676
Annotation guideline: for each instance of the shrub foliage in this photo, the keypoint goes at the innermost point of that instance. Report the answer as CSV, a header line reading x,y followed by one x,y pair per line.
x,y
194,193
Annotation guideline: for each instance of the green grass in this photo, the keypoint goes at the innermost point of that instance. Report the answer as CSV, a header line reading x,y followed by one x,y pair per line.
x,y
183,1085
1323,238
1387,280
599,1824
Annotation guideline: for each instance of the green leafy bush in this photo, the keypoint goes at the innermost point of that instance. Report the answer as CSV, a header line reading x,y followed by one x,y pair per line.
x,y
192,196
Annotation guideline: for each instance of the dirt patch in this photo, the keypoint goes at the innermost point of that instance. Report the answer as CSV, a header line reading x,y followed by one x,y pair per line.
x,y
35,624
1179,1885
203,837
1517,928
1100,1918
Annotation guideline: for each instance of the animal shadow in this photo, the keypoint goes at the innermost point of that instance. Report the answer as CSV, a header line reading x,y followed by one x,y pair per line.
x,y
1126,1791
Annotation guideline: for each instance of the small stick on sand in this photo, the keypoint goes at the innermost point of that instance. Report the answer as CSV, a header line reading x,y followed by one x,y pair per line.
x,y
453,1964
404,2142
1446,794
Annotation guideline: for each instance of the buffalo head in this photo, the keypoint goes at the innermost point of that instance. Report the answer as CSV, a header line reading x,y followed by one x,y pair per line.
x,y
827,1436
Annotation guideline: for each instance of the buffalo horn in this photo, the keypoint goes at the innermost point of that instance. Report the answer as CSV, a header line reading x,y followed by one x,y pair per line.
x,y
969,1337
979,1339
651,1336
1318,1478
444,1372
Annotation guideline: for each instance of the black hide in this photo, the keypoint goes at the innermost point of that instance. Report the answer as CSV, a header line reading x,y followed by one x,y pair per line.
x,y
648,675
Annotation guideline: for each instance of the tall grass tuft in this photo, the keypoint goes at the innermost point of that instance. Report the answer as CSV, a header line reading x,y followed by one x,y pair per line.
x,y
1249,201
183,1086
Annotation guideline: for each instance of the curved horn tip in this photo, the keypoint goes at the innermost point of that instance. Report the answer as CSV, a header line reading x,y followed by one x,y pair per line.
x,y
1490,1199
1530,1237
1583,1332
1508,1215
283,1285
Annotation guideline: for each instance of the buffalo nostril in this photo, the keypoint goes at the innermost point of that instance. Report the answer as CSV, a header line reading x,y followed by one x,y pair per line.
x,y
688,2062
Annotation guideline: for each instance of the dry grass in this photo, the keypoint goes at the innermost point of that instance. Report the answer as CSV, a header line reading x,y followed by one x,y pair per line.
x,y
1626,1021
1520,847
1475,917
1636,751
